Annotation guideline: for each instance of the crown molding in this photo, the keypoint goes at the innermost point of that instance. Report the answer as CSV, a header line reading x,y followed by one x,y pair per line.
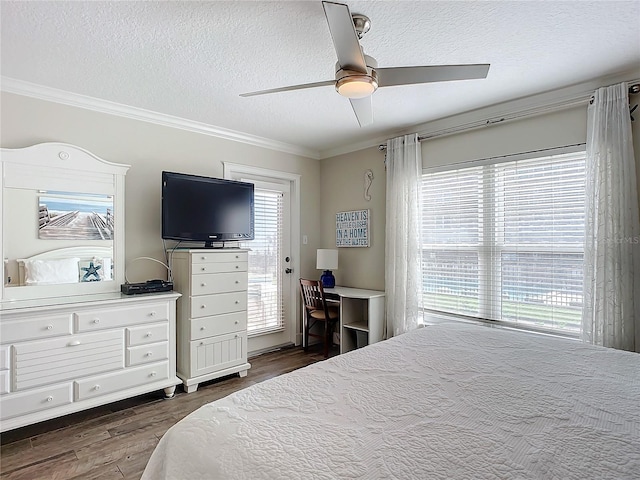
x,y
355,147
27,89
542,103
529,106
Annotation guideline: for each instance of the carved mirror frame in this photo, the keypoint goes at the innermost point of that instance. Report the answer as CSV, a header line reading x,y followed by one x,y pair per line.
x,y
57,167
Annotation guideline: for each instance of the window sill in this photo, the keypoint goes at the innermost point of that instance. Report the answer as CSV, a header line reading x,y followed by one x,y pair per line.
x,y
433,318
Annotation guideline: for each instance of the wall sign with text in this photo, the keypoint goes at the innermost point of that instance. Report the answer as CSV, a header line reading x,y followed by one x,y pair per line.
x,y
352,228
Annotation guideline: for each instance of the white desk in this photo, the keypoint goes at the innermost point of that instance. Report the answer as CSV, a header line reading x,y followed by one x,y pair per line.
x,y
360,311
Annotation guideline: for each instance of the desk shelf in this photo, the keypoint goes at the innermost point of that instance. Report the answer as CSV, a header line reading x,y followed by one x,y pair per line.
x,y
361,316
362,326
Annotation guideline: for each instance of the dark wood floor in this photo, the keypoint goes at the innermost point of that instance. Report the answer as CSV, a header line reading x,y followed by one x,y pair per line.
x,y
116,440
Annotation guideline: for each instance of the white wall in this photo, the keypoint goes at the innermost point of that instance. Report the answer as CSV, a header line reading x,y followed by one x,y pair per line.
x,y
342,186
341,175
149,149
557,129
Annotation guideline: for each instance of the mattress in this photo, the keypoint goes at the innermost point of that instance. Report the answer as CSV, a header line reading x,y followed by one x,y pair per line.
x,y
443,402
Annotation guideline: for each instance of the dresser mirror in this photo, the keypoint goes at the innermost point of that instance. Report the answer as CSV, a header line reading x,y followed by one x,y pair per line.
x,y
62,228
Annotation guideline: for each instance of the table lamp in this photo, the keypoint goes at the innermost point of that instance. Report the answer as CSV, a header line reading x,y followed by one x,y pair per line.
x,y
327,260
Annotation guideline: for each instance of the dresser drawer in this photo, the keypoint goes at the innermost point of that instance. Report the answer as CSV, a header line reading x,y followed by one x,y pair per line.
x,y
219,257
4,357
147,334
204,268
122,380
207,305
218,325
50,361
147,353
34,401
92,320
219,283
35,327
218,353
4,381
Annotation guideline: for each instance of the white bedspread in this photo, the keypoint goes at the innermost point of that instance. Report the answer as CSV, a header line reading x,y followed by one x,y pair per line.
x,y
443,402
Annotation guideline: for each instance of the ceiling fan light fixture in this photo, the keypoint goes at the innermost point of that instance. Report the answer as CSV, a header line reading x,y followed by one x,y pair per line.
x,y
356,73
356,86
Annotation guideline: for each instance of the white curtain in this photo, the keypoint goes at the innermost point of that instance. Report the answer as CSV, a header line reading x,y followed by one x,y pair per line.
x,y
402,251
611,312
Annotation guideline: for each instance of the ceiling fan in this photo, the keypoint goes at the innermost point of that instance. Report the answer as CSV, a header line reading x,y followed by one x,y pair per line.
x,y
358,75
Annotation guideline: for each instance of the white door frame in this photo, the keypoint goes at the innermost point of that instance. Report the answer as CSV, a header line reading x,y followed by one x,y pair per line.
x,y
231,170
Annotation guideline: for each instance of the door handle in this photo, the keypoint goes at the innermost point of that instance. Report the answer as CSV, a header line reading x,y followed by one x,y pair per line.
x,y
288,270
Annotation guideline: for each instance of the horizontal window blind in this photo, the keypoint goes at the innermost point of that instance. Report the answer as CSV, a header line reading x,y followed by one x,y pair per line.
x,y
451,235
266,308
505,241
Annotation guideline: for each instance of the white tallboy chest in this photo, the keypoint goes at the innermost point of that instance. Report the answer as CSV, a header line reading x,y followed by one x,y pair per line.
x,y
212,313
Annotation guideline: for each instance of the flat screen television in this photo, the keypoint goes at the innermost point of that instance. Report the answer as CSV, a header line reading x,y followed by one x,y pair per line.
x,y
206,209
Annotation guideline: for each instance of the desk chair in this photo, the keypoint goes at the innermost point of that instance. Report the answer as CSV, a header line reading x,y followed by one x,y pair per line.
x,y
316,310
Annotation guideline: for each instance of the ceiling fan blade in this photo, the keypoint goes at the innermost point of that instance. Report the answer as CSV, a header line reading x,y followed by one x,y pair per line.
x,y
287,89
388,77
345,38
363,109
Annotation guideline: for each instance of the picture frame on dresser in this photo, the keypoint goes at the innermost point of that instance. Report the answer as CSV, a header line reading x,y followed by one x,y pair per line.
x,y
69,340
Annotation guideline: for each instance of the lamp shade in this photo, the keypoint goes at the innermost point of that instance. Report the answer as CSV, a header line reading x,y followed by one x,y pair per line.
x,y
327,259
359,86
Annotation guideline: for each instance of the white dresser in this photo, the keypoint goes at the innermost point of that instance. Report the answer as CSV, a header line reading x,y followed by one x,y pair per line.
x,y
59,356
212,313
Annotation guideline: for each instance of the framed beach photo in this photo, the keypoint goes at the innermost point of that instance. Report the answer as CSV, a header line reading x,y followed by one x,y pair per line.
x,y
73,216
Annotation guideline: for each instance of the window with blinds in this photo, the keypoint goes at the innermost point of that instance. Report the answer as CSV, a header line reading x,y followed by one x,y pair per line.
x,y
504,241
266,306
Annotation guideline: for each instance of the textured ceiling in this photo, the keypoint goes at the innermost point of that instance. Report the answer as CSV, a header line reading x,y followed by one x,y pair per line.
x,y
192,59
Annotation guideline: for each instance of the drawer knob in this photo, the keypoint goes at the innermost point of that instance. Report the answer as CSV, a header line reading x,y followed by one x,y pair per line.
x,y
152,374
236,322
201,343
149,334
237,266
49,398
203,306
203,258
237,302
203,284
237,282
149,354
202,328
96,387
75,343
152,314
49,327
203,269
96,320
237,256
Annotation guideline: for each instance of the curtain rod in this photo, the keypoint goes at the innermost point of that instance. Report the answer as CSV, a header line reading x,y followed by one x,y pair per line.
x,y
633,90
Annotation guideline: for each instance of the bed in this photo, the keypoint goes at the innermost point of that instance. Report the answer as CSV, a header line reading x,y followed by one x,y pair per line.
x,y
67,265
446,401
